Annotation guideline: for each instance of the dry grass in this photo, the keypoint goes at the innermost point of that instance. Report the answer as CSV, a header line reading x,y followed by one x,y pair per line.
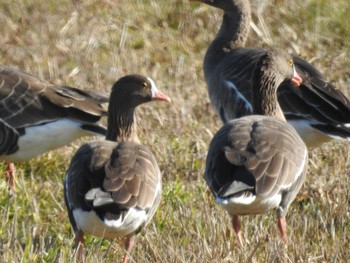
x,y
91,44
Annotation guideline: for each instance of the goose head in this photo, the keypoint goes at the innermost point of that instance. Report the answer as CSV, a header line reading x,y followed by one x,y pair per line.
x,y
279,66
134,90
127,93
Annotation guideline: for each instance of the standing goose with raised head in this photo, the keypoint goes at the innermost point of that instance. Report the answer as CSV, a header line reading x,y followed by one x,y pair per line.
x,y
257,163
113,187
36,116
317,110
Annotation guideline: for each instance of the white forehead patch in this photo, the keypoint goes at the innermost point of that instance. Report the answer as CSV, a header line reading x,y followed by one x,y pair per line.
x,y
294,71
153,86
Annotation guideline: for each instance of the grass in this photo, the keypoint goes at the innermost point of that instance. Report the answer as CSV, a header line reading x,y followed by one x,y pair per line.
x,y
92,43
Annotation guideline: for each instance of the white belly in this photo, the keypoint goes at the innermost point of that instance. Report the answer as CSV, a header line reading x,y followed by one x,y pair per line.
x,y
90,223
42,138
311,136
249,206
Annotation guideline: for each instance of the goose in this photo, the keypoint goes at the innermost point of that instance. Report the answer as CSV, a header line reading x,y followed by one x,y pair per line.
x,y
258,162
112,187
317,110
36,116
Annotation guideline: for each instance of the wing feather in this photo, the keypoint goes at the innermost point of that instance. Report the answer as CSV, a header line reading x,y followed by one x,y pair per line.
x,y
269,159
8,139
25,101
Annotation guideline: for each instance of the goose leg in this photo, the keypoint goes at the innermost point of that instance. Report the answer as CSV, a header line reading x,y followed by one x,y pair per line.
x,y
282,227
237,227
9,174
79,245
129,244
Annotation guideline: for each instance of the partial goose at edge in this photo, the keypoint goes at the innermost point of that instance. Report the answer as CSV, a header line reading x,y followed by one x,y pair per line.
x,y
36,116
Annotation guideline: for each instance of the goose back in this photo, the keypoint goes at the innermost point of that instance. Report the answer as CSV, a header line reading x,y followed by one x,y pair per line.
x,y
256,158
121,180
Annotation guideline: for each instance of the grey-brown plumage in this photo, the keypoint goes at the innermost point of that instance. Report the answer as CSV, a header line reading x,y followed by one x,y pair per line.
x,y
26,101
113,187
317,110
8,139
36,116
257,163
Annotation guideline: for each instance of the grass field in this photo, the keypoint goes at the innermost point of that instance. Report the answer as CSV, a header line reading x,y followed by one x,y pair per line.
x,y
91,43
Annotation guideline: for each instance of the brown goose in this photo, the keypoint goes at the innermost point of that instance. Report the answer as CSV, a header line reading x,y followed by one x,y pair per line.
x,y
317,110
36,116
113,187
257,163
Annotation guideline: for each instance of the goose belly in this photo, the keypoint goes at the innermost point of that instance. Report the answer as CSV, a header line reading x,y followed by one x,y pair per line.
x,y
42,138
249,205
90,223
311,136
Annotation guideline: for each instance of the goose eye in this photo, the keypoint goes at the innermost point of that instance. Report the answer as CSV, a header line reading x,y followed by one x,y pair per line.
x,y
290,62
144,84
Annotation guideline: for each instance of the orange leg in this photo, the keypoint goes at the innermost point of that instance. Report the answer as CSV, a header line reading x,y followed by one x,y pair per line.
x,y
237,227
282,227
79,245
10,174
129,244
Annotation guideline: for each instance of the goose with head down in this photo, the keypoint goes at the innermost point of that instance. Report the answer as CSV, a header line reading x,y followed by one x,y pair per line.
x,y
257,163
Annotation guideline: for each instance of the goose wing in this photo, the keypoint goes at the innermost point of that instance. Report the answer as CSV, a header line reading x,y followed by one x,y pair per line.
x,y
8,139
111,178
317,102
231,82
259,154
27,101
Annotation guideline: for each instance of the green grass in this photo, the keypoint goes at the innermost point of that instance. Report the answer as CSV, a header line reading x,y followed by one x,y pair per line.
x,y
89,46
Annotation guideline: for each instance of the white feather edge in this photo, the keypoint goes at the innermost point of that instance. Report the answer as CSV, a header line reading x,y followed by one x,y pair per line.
x,y
232,86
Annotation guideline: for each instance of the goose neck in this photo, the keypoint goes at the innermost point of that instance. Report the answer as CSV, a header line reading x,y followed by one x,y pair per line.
x,y
264,99
122,125
233,33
